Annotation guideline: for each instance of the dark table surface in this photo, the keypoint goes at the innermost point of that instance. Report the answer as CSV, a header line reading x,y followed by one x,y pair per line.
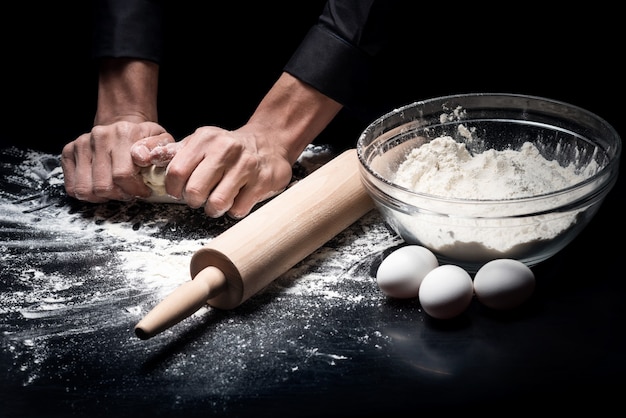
x,y
321,340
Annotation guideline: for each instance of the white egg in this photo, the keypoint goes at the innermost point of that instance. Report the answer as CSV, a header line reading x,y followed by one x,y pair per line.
x,y
504,284
401,272
446,292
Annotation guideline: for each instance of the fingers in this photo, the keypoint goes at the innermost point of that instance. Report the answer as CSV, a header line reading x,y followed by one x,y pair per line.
x,y
76,160
232,187
154,150
215,186
222,197
110,167
238,184
75,184
267,182
98,166
140,153
245,202
225,172
162,155
191,175
209,170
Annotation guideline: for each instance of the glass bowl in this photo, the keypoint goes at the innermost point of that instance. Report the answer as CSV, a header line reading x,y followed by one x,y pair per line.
x,y
495,214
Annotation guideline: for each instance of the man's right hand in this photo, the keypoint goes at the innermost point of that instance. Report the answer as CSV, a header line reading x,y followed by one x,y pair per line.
x,y
98,165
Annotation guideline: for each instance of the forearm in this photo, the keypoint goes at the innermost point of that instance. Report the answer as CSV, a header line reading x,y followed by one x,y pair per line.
x,y
339,54
127,91
293,114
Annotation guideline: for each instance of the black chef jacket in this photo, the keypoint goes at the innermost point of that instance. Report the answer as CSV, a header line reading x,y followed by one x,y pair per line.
x,y
336,56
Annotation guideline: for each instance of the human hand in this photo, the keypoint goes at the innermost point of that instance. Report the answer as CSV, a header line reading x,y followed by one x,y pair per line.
x,y
224,171
98,167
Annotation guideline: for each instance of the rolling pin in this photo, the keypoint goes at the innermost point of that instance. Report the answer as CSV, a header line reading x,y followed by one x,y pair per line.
x,y
252,253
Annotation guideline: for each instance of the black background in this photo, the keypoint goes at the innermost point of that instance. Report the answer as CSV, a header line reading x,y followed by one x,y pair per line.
x,y
222,57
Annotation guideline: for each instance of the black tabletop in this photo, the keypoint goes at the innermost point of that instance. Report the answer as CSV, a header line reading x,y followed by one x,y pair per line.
x,y
321,340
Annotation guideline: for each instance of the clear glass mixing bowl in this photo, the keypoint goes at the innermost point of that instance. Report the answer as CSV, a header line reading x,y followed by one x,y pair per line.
x,y
471,232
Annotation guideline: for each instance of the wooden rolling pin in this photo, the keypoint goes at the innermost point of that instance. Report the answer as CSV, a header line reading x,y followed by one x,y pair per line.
x,y
249,255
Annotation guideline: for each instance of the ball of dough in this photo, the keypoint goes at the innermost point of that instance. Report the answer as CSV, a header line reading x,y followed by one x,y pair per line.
x,y
154,178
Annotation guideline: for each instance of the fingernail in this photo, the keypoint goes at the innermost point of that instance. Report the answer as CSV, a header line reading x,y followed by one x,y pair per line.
x,y
142,152
236,216
214,214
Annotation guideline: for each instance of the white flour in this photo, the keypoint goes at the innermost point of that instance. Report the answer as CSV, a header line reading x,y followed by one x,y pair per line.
x,y
73,271
447,169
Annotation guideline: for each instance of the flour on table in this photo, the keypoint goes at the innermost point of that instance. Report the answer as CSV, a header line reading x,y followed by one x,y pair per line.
x,y
75,271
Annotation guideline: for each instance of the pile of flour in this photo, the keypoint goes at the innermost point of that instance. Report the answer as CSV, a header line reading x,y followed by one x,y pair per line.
x,y
447,169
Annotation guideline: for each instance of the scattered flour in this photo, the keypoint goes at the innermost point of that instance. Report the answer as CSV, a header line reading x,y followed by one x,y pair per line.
x,y
73,271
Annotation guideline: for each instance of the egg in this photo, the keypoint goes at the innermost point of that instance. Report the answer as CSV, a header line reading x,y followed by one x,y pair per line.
x,y
504,284
446,291
401,272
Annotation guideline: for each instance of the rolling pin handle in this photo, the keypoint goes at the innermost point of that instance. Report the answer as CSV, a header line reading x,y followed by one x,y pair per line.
x,y
182,302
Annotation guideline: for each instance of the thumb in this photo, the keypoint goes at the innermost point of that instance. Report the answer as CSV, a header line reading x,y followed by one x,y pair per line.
x,y
143,151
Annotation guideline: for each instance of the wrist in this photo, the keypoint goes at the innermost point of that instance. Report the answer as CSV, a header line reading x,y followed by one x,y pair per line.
x,y
292,115
127,91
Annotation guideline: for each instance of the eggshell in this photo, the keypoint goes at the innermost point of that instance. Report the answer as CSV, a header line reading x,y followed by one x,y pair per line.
x,y
504,284
401,272
446,292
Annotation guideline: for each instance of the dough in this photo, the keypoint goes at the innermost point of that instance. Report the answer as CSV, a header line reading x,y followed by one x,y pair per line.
x,y
154,178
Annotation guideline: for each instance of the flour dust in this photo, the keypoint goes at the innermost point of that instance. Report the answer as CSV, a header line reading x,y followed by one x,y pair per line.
x,y
76,278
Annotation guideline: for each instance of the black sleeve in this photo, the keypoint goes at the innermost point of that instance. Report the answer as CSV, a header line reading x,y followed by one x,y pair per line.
x,y
128,28
338,54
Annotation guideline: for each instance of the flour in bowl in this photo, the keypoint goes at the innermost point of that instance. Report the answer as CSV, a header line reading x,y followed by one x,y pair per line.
x,y
478,232
446,168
